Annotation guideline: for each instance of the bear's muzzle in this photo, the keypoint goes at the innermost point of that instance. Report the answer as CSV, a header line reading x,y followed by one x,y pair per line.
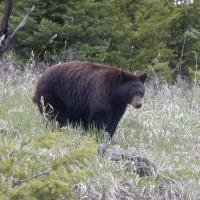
x,y
136,101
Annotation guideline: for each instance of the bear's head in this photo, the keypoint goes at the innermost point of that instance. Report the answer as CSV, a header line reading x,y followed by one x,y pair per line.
x,y
131,88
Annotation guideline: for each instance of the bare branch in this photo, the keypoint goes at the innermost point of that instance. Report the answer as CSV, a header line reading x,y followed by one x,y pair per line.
x,y
22,23
5,41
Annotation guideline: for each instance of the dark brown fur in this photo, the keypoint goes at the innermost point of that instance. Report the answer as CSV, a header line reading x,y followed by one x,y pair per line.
x,y
87,93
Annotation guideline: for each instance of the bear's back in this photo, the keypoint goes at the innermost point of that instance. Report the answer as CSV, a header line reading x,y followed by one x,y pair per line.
x,y
79,74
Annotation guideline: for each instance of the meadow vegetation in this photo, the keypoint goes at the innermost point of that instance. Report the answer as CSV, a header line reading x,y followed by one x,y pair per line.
x,y
38,161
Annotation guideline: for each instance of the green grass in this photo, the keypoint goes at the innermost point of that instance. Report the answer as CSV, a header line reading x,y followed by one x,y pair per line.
x,y
37,159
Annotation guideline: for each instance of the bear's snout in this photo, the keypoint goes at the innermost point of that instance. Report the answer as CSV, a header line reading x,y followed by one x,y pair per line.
x,y
136,102
138,105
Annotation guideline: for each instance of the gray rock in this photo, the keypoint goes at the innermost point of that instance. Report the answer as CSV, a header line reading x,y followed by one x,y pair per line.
x,y
131,160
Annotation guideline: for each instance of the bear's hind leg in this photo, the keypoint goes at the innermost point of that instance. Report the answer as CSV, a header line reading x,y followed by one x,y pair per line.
x,y
53,108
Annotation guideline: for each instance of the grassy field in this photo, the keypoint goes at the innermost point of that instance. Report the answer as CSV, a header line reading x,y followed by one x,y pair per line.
x,y
37,161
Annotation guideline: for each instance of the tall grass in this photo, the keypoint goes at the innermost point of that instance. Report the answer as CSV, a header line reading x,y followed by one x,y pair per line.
x,y
166,131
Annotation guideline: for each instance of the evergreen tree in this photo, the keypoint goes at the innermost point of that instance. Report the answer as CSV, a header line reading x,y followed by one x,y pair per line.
x,y
156,36
152,20
185,32
165,36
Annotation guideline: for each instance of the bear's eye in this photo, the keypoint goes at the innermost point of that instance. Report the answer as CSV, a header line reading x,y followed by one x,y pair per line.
x,y
136,93
132,93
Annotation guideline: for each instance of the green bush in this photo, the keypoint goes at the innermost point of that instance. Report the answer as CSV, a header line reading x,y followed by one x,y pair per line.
x,y
33,174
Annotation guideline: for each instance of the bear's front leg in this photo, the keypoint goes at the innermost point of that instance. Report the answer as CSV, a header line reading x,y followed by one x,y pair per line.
x,y
112,128
101,120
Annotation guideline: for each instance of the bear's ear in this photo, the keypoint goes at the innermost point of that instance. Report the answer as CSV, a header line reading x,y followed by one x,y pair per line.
x,y
143,77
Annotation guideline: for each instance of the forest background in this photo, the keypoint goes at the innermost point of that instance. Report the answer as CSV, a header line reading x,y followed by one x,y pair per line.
x,y
161,37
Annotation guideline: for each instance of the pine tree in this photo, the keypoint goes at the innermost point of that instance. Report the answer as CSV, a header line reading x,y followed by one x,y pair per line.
x,y
152,19
156,36
185,31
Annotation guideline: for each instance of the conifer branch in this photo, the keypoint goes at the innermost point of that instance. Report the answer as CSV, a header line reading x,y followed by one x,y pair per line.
x,y
36,176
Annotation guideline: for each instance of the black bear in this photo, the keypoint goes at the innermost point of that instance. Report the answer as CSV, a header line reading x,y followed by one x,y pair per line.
x,y
88,93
